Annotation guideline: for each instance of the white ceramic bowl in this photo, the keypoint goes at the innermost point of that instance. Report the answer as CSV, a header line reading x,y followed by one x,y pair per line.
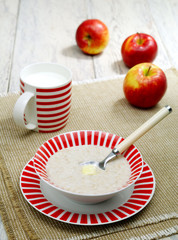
x,y
86,137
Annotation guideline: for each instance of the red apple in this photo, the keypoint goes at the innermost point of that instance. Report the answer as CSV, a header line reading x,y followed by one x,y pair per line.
x,y
138,48
92,36
144,85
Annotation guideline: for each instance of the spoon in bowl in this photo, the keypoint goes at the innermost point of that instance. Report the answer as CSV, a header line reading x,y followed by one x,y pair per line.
x,y
132,138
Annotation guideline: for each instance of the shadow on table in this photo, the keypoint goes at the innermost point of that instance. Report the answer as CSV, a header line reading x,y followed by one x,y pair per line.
x,y
119,67
74,52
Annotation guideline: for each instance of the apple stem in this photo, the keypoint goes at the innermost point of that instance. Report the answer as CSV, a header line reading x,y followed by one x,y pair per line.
x,y
140,41
148,70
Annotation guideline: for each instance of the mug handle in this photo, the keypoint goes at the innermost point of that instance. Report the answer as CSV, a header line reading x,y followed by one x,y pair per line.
x,y
19,111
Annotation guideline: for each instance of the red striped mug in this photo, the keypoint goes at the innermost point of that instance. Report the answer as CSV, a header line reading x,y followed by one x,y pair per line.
x,y
45,101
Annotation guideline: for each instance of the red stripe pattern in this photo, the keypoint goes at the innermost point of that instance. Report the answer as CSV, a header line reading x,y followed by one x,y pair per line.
x,y
52,107
140,197
21,87
21,92
87,137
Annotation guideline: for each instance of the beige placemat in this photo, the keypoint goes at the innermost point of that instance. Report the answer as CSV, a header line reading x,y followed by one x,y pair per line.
x,y
99,106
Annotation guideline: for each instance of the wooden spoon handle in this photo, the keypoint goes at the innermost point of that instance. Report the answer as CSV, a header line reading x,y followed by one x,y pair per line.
x,y
144,128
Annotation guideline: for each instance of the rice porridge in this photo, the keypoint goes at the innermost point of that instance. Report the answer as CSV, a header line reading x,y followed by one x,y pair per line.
x,y
64,170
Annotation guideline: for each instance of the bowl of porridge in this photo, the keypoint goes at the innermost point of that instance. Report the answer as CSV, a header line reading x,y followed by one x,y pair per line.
x,y
58,164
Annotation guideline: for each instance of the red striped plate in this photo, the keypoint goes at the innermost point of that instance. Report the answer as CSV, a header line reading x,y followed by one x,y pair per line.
x,y
126,204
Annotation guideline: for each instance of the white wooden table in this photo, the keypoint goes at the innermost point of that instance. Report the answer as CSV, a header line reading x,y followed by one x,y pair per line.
x,y
44,31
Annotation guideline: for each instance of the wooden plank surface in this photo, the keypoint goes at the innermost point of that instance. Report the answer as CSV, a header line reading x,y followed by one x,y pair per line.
x,y
8,24
124,19
48,34
165,17
44,31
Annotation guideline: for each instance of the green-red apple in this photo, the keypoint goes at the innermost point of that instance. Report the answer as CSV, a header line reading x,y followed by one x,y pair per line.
x,y
92,36
144,85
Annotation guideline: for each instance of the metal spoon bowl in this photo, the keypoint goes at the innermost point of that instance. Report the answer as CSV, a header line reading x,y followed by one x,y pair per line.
x,y
132,138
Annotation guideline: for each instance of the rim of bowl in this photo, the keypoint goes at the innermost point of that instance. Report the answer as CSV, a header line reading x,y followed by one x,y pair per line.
x,y
88,195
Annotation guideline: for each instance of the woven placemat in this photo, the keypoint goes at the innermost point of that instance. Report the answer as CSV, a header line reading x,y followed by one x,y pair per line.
x,y
98,106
